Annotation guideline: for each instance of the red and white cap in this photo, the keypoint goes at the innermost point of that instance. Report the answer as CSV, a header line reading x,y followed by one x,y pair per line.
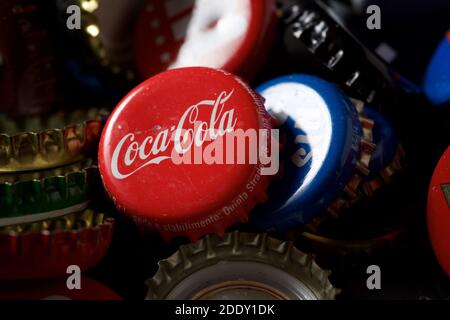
x,y
157,152
438,210
234,35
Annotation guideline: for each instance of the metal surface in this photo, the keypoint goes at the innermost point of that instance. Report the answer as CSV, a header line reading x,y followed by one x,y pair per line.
x,y
48,140
327,149
240,266
39,195
45,249
312,29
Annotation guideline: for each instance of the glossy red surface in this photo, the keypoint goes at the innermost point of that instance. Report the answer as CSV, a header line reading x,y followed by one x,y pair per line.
x,y
139,145
438,208
39,255
231,35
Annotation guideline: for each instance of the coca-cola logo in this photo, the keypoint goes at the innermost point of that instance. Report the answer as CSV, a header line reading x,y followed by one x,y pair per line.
x,y
153,149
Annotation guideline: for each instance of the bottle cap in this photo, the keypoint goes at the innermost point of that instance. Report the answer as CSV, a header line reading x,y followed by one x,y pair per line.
x,y
40,195
438,210
386,141
328,246
327,142
27,75
437,78
45,249
233,35
48,140
57,290
395,39
388,157
314,34
157,158
363,232
240,266
385,163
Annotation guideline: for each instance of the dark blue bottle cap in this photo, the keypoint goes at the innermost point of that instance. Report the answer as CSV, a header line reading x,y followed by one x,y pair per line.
x,y
387,158
437,78
321,132
386,141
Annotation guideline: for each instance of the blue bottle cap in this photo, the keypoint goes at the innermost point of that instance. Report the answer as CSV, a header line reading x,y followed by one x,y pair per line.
x,y
387,158
437,78
322,133
386,141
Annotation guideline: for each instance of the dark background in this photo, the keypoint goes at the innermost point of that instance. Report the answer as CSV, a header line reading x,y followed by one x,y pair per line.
x,y
409,267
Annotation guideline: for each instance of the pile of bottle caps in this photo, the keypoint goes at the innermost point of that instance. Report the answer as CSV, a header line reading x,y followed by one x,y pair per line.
x,y
241,149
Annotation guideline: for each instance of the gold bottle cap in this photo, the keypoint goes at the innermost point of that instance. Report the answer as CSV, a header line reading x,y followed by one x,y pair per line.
x,y
48,141
355,248
354,235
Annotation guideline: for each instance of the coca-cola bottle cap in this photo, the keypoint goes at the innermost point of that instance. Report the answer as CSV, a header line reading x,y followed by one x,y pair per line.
x,y
172,156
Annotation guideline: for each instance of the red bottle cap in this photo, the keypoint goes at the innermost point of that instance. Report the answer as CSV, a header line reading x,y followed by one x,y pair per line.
x,y
144,139
45,249
439,211
234,35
